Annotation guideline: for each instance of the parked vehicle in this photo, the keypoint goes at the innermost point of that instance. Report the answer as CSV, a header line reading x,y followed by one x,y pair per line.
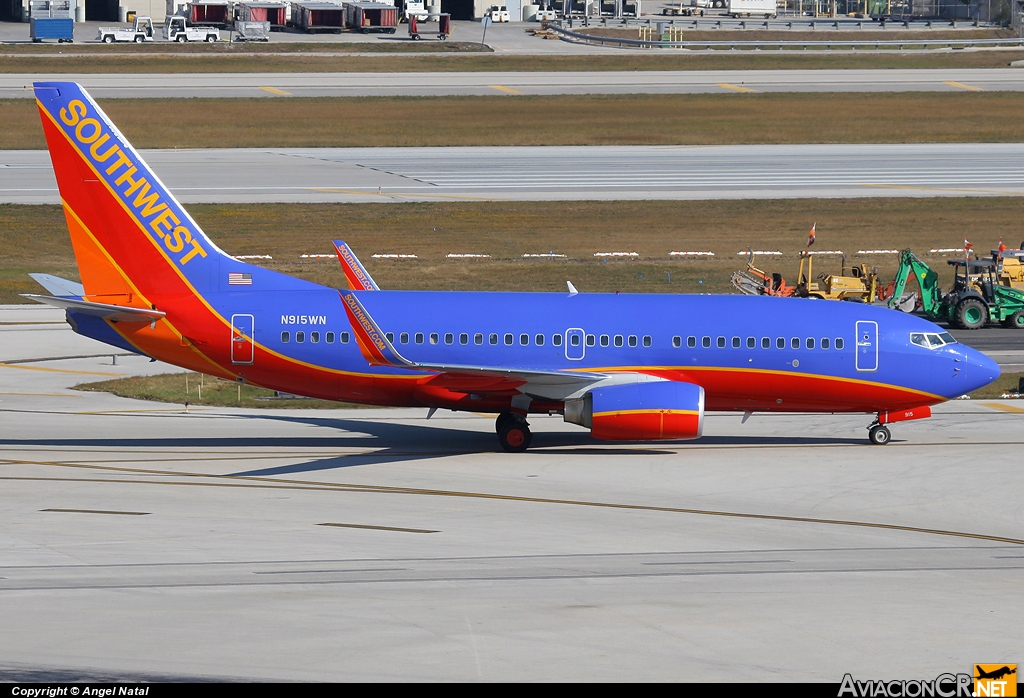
x,y
369,17
499,14
753,8
140,31
60,28
176,28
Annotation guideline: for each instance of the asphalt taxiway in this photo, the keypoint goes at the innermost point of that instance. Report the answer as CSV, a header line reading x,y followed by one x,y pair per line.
x,y
280,85
141,541
252,175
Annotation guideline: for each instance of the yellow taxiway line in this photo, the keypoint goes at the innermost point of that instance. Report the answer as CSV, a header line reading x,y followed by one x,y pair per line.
x,y
737,88
962,86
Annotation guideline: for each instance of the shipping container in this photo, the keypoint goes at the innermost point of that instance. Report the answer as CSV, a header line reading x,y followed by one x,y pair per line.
x,y
274,12
211,13
60,28
318,16
371,17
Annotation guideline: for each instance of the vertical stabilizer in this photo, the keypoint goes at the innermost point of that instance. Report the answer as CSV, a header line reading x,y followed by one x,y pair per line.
x,y
130,235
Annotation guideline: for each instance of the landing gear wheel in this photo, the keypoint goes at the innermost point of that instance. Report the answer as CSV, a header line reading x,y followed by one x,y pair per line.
x,y
501,421
879,435
515,435
971,313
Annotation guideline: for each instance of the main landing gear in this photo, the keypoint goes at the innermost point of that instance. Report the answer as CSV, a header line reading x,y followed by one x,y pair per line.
x,y
513,432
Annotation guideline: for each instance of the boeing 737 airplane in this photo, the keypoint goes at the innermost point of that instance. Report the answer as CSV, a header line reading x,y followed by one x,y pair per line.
x,y
628,367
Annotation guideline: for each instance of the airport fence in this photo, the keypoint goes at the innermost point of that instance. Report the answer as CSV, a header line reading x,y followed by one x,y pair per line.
x,y
780,45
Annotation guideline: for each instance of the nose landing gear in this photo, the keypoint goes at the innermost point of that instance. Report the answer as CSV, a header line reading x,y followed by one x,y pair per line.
x,y
879,435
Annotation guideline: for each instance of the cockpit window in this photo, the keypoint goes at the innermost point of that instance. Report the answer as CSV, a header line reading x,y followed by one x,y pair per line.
x,y
931,341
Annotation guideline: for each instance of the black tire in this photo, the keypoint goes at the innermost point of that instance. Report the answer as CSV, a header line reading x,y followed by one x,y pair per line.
x,y
501,421
1015,321
108,39
180,38
139,39
515,436
210,39
971,314
879,435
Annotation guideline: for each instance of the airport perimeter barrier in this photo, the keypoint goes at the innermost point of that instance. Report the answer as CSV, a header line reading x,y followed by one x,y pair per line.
x,y
826,44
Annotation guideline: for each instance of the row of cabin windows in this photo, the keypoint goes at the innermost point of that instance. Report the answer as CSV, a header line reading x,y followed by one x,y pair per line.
x,y
509,339
314,337
766,342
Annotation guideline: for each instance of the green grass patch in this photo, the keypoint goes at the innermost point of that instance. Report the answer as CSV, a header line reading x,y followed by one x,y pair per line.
x,y
457,56
201,390
704,119
34,238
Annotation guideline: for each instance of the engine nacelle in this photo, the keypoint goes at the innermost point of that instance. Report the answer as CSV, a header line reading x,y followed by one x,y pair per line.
x,y
640,411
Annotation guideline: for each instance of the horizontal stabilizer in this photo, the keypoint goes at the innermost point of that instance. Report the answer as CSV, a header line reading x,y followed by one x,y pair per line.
x,y
355,273
117,313
58,286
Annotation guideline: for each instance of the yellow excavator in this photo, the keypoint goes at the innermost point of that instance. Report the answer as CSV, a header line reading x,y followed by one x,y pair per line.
x,y
856,284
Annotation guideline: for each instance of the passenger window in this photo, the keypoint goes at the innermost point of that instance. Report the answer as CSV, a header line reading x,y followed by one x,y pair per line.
x,y
677,341
647,340
839,342
766,342
418,338
404,338
735,342
478,338
285,337
780,342
434,338
824,342
721,342
705,342
574,340
691,342
795,342
618,340
605,340
390,336
314,337
330,338
524,339
449,338
591,340
300,336
509,339
463,338
632,340
539,340
344,337
751,342
556,339
492,338
809,342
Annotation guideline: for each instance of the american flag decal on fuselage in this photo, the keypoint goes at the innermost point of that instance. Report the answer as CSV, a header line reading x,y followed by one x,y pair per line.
x,y
239,279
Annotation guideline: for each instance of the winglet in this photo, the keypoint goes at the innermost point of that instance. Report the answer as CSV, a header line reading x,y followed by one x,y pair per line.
x,y
374,345
355,273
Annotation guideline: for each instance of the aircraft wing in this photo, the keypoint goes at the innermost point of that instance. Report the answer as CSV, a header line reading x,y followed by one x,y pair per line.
x,y
556,385
117,313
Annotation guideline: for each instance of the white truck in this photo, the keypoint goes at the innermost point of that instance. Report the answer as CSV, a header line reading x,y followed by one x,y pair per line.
x,y
752,8
686,8
140,31
417,8
176,28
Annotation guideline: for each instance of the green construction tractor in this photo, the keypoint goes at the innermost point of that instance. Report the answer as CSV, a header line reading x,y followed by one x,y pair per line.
x,y
975,300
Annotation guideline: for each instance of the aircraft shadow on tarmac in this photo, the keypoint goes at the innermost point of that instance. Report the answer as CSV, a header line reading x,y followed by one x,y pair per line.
x,y
403,442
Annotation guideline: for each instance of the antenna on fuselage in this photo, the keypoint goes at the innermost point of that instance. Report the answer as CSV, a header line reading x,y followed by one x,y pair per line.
x,y
572,289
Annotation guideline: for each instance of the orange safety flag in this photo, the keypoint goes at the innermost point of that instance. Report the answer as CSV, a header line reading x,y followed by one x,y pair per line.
x,y
1002,247
810,238
967,246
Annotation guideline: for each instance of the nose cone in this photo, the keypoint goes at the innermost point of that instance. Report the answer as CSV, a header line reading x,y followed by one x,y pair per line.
x,y
981,370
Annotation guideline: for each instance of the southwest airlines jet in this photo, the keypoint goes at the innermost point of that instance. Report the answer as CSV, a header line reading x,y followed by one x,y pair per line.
x,y
629,367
